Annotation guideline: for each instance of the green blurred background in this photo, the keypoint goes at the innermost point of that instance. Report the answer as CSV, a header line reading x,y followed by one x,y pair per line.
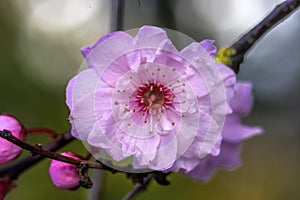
x,y
39,50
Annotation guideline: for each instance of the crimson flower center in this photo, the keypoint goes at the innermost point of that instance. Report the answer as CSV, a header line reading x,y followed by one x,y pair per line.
x,y
154,96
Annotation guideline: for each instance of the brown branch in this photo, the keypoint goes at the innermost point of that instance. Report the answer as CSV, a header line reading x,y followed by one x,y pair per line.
x,y
143,181
38,153
38,150
139,187
15,169
245,42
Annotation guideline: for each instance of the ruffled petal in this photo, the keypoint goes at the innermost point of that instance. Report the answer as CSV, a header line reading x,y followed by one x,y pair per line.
x,y
243,99
228,159
150,37
148,148
166,154
82,84
108,50
184,164
235,131
83,116
104,136
209,46
87,49
69,92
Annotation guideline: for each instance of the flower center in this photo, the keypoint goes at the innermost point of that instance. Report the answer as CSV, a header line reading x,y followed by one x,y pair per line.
x,y
154,96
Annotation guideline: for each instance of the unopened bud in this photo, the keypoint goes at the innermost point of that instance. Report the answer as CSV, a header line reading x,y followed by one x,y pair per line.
x,y
9,151
64,175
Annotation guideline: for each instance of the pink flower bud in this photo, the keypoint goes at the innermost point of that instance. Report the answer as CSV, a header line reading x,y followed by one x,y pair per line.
x,y
64,175
9,151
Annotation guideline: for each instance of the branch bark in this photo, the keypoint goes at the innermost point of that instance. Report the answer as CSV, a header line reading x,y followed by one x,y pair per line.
x,y
234,55
139,187
38,150
15,169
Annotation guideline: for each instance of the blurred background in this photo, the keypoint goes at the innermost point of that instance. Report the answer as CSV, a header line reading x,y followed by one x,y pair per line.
x,y
40,43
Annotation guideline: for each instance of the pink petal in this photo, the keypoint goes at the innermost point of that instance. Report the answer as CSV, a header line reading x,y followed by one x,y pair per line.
x,y
209,46
69,92
82,84
109,50
104,136
86,50
203,75
184,164
115,70
83,117
166,153
235,131
242,101
150,37
228,158
148,148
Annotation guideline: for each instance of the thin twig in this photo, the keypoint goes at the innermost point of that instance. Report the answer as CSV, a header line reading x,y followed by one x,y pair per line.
x,y
117,22
15,169
47,131
38,150
238,49
139,187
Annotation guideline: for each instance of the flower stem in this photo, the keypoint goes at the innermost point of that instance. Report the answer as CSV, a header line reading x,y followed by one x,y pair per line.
x,y
47,131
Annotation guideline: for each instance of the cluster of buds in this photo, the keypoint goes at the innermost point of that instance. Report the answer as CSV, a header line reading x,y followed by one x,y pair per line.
x,y
63,175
